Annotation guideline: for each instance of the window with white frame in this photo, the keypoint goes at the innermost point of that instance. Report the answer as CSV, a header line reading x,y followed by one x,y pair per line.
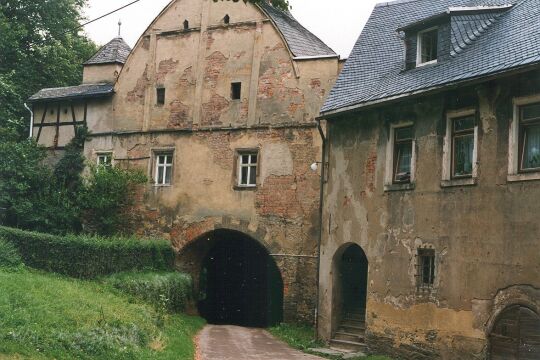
x,y
460,156
104,159
427,46
529,138
248,162
163,168
400,157
403,155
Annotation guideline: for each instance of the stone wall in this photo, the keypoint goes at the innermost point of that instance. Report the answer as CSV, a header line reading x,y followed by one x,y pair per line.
x,y
485,234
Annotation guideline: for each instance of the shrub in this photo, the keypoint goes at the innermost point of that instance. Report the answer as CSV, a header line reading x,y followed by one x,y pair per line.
x,y
171,291
89,257
9,256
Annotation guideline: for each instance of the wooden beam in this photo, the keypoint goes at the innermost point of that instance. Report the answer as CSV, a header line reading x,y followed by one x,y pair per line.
x,y
57,135
74,119
42,121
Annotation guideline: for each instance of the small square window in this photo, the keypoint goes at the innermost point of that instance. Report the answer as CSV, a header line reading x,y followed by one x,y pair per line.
x,y
529,129
425,268
428,43
164,168
403,153
247,169
160,96
236,91
104,159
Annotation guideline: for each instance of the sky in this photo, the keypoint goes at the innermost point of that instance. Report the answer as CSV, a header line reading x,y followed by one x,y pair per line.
x,y
337,22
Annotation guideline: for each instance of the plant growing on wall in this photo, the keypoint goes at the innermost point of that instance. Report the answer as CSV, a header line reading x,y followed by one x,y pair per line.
x,y
107,198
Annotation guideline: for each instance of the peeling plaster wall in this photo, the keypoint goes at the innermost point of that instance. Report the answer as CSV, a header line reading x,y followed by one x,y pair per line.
x,y
486,237
276,114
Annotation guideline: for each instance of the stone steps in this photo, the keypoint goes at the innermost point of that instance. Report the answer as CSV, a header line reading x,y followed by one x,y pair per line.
x,y
347,346
347,336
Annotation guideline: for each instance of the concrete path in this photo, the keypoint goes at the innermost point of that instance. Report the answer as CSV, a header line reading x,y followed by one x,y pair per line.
x,y
237,343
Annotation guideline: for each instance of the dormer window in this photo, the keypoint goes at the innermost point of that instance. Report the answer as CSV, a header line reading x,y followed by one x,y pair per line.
x,y
427,46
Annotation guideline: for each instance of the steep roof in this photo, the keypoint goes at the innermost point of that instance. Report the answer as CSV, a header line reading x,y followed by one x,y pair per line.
x,y
73,92
115,51
481,45
301,41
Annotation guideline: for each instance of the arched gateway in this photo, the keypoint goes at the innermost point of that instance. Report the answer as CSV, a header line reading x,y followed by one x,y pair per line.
x,y
515,335
238,282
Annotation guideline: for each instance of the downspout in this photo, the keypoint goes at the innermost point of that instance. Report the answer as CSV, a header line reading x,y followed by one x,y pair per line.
x,y
31,120
321,203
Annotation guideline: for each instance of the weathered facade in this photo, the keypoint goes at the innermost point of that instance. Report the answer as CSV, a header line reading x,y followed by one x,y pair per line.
x,y
217,102
433,185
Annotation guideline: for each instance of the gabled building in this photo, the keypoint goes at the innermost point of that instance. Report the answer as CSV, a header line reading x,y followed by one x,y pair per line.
x,y
431,238
217,104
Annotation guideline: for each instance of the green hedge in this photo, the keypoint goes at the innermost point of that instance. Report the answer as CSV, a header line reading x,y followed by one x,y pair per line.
x,y
169,290
9,256
89,257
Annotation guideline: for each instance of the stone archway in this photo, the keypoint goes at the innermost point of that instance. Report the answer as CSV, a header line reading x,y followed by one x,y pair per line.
x,y
236,279
515,335
350,282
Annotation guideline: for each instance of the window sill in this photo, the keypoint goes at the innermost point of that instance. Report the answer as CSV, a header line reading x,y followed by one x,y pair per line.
x,y
524,177
245,188
399,187
459,182
161,186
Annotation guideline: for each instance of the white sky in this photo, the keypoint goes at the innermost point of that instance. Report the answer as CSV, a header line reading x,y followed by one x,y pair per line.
x,y
336,22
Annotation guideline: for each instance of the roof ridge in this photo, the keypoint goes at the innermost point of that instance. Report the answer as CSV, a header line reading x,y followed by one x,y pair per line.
x,y
394,2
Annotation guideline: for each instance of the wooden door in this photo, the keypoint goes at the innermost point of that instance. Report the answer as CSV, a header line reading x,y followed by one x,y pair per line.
x,y
516,335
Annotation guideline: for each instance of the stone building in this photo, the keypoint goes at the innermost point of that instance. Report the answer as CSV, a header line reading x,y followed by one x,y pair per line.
x,y
431,238
217,103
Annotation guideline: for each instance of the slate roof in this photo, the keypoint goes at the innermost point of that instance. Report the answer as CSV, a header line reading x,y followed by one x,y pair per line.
x,y
481,46
301,41
73,92
114,52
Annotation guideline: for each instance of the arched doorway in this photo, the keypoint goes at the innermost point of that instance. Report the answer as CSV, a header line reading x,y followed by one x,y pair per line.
x,y
240,283
350,284
515,335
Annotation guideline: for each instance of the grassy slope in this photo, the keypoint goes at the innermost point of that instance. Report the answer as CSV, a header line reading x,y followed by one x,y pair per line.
x,y
45,316
302,338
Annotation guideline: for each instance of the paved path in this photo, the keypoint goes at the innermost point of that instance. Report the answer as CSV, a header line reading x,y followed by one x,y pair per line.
x,y
237,343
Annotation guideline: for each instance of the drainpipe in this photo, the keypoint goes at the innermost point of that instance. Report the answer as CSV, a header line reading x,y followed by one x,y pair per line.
x,y
31,120
321,207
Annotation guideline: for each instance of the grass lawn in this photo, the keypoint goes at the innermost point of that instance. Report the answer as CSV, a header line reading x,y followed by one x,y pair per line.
x,y
303,338
46,316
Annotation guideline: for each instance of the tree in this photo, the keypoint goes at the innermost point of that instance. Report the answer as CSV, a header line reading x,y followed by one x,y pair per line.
x,y
37,50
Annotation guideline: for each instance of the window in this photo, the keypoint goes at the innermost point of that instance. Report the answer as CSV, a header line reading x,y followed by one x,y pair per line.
x,y
247,169
463,146
227,19
425,268
403,154
529,138
427,44
186,25
236,91
164,167
460,156
160,96
104,159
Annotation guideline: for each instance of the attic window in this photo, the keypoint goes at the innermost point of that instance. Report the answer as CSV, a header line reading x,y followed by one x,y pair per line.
x,y
186,25
227,19
236,91
428,41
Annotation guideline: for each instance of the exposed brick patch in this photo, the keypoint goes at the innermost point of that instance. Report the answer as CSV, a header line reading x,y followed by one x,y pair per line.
x,y
137,94
187,79
219,143
371,168
278,197
214,65
316,86
166,67
179,116
212,110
